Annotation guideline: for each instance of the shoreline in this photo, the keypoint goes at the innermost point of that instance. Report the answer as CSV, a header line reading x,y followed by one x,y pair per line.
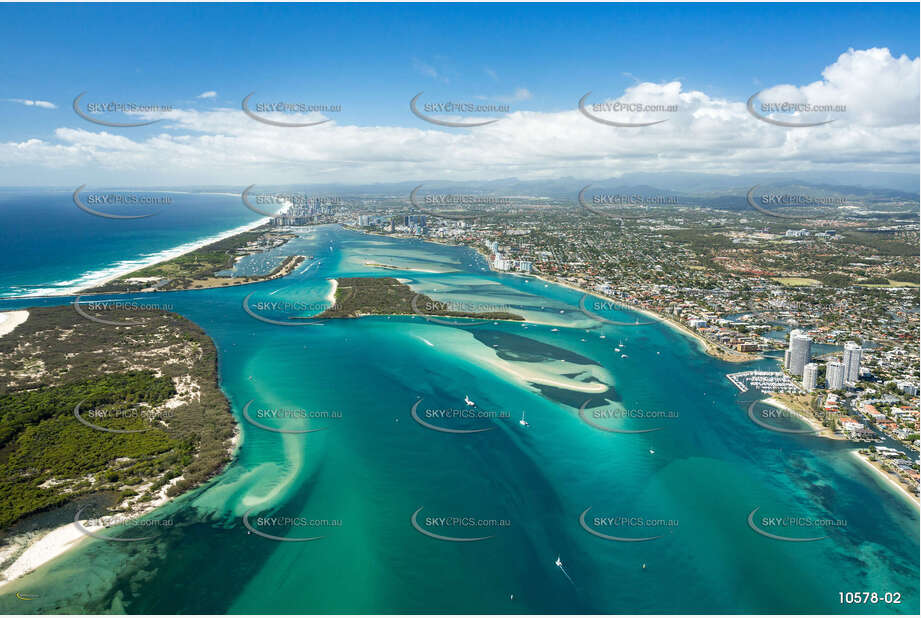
x,y
913,498
40,547
825,432
9,320
821,430
107,274
708,347
171,254
27,551
125,267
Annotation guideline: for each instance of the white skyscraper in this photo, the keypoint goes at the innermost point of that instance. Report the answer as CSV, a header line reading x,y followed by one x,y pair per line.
x,y
852,354
810,376
834,376
800,349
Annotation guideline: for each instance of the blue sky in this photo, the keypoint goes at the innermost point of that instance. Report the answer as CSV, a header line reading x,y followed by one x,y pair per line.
x,y
372,59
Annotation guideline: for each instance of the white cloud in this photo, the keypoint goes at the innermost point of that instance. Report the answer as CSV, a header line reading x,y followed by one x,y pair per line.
x,y
520,94
428,70
706,134
208,94
33,103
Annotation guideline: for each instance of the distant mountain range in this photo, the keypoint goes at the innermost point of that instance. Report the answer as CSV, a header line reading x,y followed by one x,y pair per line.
x,y
718,191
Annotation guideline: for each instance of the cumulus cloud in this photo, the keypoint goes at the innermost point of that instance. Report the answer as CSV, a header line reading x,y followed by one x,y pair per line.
x,y
33,103
208,94
702,133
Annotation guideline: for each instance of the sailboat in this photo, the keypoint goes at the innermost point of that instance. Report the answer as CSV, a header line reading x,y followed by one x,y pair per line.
x,y
559,563
523,422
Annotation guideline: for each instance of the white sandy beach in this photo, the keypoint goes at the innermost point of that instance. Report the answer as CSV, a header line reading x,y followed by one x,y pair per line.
x,y
331,297
95,278
819,427
913,498
48,546
11,319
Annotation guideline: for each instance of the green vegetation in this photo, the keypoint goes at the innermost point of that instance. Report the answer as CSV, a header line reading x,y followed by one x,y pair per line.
x,y
907,276
796,281
186,270
42,441
357,296
122,378
834,280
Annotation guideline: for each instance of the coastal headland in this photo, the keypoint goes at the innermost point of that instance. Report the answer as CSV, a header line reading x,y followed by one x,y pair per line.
x,y
112,421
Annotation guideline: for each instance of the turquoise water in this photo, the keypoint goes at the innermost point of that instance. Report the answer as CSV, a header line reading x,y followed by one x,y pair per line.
x,y
371,466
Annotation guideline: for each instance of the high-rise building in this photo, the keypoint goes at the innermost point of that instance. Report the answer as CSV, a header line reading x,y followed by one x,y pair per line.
x,y
852,354
810,376
800,348
834,376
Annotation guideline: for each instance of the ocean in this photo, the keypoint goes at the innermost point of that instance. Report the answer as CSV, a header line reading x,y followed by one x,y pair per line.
x,y
566,514
52,247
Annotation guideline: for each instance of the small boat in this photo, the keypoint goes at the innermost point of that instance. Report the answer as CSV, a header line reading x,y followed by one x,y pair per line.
x,y
652,452
554,330
468,401
523,422
558,562
624,356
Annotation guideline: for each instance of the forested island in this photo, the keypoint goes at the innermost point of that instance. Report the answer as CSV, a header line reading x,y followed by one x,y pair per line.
x,y
360,296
